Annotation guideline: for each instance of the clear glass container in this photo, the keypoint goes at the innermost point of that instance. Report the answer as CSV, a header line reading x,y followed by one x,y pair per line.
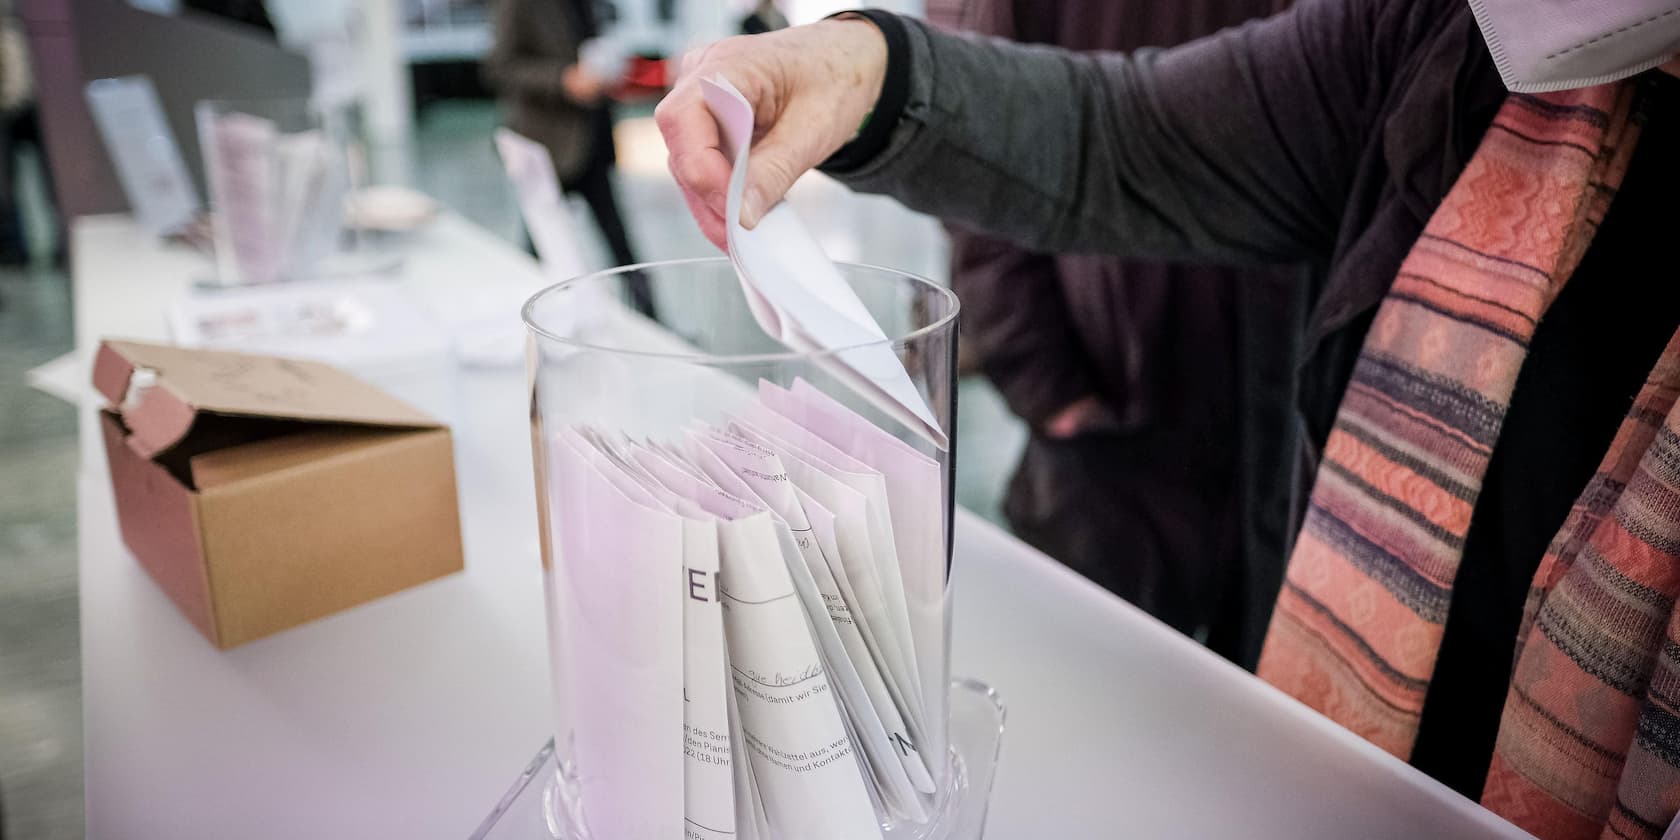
x,y
621,409
535,808
278,173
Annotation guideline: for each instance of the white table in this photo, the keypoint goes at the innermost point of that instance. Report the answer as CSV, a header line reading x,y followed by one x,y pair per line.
x,y
409,716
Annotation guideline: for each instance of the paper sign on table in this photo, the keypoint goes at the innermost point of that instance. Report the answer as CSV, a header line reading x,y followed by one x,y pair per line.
x,y
549,223
144,151
547,220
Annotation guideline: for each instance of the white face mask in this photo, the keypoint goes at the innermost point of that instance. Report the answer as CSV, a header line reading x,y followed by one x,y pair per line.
x,y
1547,45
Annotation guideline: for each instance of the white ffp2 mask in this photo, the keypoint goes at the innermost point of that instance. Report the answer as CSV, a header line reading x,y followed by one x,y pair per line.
x,y
1547,45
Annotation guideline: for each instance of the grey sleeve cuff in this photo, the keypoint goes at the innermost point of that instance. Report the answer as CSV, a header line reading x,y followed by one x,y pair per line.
x,y
877,133
867,163
1233,149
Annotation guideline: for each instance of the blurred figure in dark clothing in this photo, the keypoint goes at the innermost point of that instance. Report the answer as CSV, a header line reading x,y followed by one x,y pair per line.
x,y
764,18
20,127
1130,377
550,96
250,13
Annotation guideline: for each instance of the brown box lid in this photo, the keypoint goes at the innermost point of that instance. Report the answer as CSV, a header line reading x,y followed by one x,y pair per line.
x,y
165,393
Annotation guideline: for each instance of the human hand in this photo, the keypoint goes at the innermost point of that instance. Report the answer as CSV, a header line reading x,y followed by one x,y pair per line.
x,y
1078,417
582,86
810,88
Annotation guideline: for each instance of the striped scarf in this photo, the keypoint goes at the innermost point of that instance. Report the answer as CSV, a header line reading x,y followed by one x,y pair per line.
x,y
1589,743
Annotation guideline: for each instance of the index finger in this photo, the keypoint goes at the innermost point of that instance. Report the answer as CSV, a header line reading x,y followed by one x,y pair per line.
x,y
692,141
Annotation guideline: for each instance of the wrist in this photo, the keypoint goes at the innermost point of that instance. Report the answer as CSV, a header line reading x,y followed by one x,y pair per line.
x,y
866,42
882,83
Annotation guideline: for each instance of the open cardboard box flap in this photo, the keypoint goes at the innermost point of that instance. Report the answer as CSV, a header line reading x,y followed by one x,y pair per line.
x,y
261,493
164,394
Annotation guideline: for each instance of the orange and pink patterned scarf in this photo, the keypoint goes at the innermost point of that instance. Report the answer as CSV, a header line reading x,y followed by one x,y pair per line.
x,y
1589,743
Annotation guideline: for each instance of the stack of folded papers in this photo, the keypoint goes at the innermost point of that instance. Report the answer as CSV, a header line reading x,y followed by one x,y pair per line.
x,y
748,624
278,196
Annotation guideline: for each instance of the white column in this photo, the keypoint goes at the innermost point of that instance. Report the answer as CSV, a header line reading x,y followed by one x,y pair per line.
x,y
388,99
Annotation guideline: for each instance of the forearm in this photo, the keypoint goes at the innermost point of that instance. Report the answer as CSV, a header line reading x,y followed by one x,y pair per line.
x,y
1173,154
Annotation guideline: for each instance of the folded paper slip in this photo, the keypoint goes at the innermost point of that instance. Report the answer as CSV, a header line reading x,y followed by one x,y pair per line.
x,y
798,296
755,569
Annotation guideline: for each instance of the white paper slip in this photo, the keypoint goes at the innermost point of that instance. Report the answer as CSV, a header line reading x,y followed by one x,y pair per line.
x,y
856,573
701,491
682,461
803,759
617,447
891,783
144,152
882,547
66,377
875,718
906,749
709,795
314,181
800,745
916,492
709,805
616,585
798,295
750,822
531,172
238,162
701,443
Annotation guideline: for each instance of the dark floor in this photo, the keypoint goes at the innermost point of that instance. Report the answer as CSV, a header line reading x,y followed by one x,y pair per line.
x,y
40,666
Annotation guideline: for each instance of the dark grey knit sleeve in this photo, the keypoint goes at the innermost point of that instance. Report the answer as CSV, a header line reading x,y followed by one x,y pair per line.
x,y
1238,148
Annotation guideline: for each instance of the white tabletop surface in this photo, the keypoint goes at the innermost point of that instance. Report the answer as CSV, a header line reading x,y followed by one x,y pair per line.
x,y
408,717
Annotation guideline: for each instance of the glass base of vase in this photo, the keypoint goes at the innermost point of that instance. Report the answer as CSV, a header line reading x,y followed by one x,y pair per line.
x,y
537,808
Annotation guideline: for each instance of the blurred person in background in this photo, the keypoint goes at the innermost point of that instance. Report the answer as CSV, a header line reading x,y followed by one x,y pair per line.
x,y
20,127
1129,377
552,96
764,17
1484,502
249,13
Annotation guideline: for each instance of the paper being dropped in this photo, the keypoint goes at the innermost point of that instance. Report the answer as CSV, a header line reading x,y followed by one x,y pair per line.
x,y
796,293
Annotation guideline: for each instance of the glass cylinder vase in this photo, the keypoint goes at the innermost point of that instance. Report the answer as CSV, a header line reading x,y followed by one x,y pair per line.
x,y
746,551
278,173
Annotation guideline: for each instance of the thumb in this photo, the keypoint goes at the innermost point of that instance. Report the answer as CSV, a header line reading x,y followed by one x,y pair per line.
x,y
786,152
769,176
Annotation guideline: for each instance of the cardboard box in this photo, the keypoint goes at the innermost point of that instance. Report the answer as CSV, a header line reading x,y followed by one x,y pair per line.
x,y
261,493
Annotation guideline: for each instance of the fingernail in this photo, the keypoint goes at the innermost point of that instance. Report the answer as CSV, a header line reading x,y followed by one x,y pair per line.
x,y
752,208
